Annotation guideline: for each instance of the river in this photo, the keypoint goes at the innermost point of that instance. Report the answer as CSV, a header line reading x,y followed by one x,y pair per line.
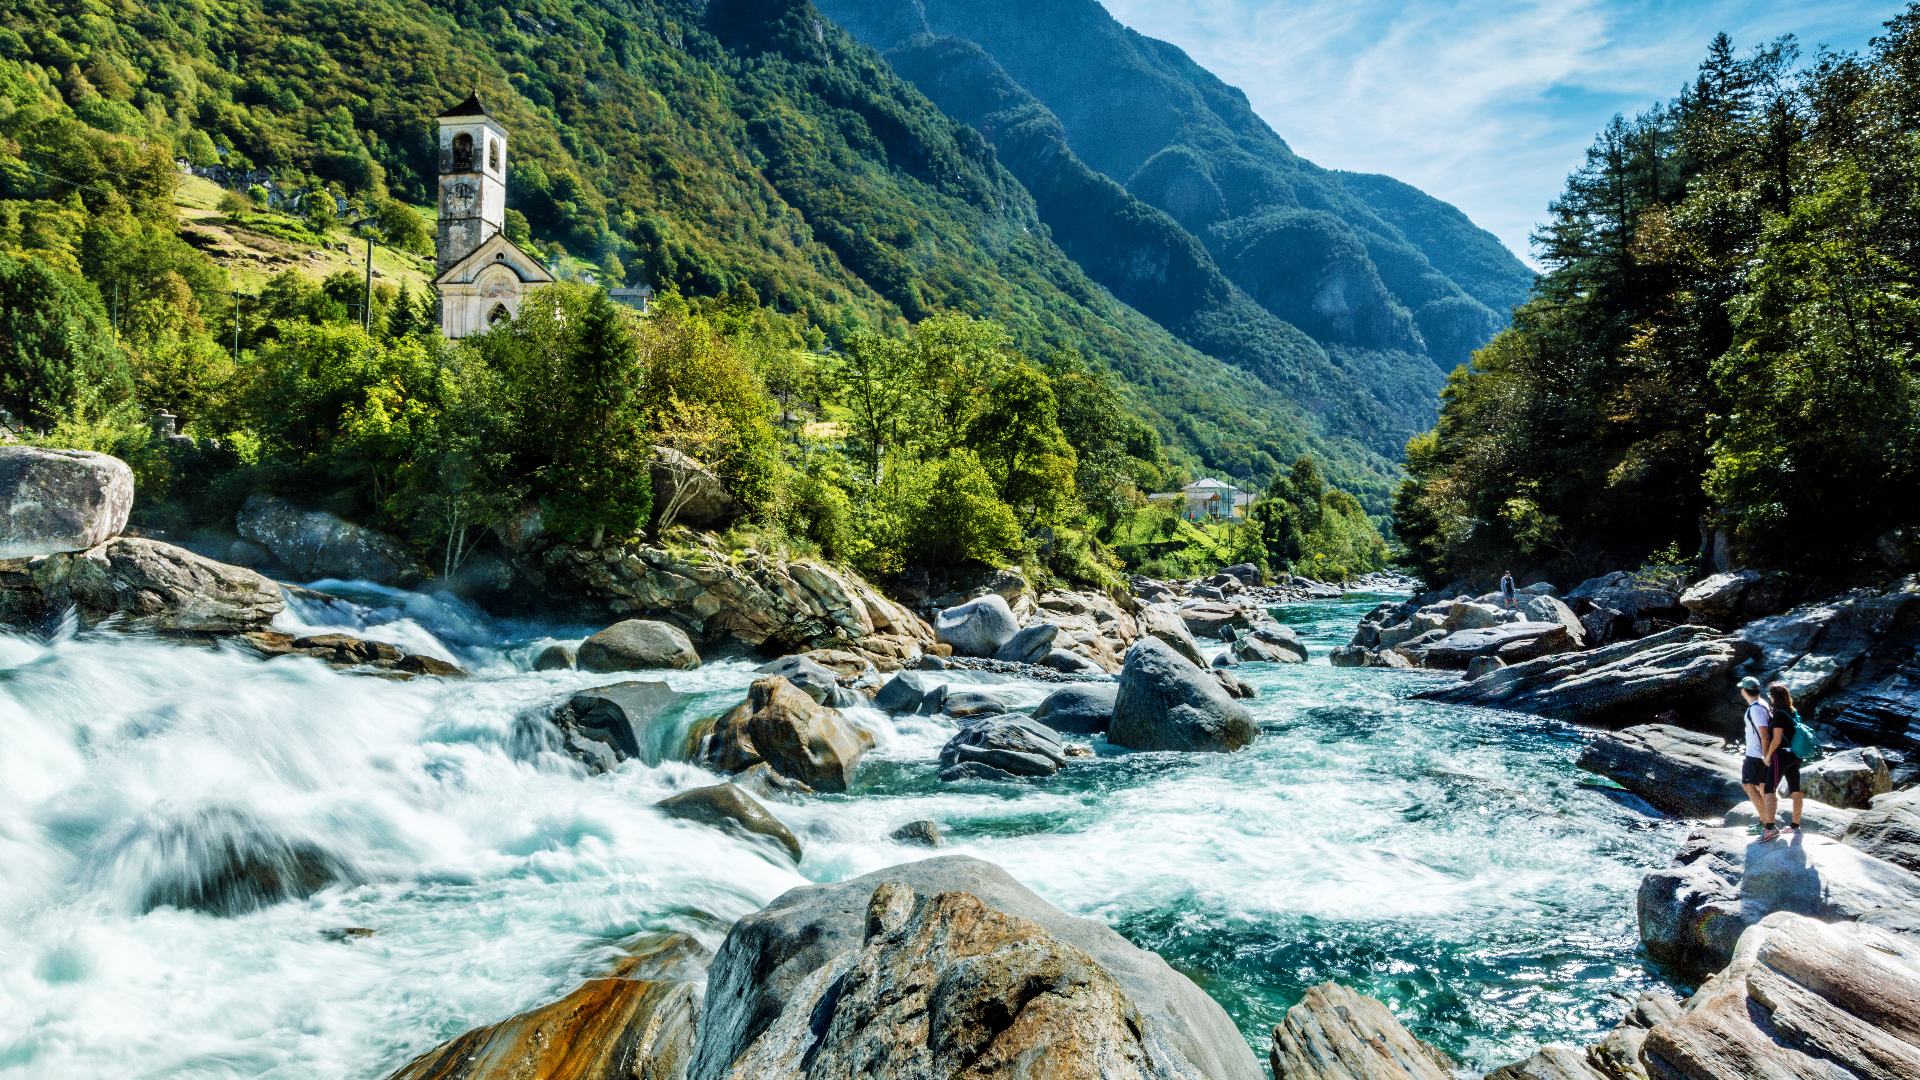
x,y
1452,862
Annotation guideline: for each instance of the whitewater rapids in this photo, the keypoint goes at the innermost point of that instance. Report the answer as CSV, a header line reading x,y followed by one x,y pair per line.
x,y
1452,862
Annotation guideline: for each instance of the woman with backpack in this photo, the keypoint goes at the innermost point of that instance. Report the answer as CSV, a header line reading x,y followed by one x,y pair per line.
x,y
1783,733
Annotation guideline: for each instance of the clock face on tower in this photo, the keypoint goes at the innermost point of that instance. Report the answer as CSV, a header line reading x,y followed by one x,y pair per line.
x,y
460,197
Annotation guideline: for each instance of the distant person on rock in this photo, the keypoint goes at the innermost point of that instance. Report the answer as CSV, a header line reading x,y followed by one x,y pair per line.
x,y
1782,762
1754,768
1508,598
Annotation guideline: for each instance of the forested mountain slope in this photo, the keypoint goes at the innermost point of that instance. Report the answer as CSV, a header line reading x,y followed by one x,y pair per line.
x,y
715,148
1383,277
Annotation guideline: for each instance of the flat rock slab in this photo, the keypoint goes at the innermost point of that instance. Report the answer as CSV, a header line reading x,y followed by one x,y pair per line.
x,y
1800,999
1723,881
1890,829
1685,773
1510,642
1676,671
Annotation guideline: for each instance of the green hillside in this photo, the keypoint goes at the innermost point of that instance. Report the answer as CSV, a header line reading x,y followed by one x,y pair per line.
x,y
713,148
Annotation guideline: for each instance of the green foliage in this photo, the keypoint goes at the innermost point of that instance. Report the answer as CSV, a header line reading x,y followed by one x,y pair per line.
x,y
953,514
1302,526
573,389
698,147
58,357
1725,338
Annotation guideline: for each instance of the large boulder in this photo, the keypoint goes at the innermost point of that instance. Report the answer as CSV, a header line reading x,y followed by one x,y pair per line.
x,y
789,731
1801,999
1333,1033
1166,703
1738,596
818,681
1685,773
144,584
1269,644
605,725
1079,709
695,493
1637,597
60,500
1724,880
977,627
726,807
310,544
635,645
226,860
961,703
1209,620
949,967
1890,829
1511,642
1685,671
1163,621
637,1022
1547,609
1030,646
1850,778
1001,747
1829,651
912,692
764,601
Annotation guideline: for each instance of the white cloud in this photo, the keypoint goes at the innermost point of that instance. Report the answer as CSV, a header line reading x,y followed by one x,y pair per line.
x,y
1487,104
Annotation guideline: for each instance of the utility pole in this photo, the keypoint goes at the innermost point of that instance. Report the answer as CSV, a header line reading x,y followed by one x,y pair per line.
x,y
366,295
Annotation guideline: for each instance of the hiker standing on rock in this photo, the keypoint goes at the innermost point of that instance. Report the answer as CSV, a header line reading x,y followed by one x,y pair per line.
x,y
1507,591
1754,768
1782,762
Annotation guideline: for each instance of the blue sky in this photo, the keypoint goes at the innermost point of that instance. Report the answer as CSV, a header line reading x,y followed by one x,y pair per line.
x,y
1488,104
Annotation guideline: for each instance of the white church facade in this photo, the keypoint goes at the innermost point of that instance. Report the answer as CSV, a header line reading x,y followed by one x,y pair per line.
x,y
483,276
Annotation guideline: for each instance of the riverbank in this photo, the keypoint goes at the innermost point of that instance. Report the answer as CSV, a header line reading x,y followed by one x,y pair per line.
x,y
1348,842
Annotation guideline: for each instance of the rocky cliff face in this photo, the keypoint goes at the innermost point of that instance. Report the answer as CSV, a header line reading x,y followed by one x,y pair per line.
x,y
764,602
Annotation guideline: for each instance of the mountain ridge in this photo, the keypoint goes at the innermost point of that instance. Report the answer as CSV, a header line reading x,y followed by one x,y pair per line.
x,y
1141,112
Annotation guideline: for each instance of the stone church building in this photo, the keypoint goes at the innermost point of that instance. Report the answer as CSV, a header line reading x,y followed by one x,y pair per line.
x,y
483,276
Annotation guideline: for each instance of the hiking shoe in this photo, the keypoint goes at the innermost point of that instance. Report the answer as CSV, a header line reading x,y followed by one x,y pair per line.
x,y
1771,834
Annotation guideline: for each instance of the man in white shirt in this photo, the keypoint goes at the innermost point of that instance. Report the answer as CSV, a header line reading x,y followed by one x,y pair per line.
x,y
1754,772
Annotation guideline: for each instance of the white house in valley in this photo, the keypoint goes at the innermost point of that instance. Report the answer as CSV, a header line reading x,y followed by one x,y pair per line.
x,y
1208,499
483,276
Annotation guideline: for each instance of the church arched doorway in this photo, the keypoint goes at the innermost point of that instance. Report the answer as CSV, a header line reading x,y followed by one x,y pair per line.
x,y
498,314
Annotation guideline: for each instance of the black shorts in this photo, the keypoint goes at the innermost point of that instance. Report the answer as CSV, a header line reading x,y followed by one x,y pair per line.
x,y
1753,771
1785,767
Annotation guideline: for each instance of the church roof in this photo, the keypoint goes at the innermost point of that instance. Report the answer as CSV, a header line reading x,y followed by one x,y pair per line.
x,y
495,249
469,107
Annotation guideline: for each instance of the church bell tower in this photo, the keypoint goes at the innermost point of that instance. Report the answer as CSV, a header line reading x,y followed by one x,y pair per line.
x,y
473,180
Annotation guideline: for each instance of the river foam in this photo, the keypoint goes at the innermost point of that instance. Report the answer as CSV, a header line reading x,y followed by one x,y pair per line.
x,y
1450,861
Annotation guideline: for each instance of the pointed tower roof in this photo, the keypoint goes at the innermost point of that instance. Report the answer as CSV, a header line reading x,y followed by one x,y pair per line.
x,y
469,107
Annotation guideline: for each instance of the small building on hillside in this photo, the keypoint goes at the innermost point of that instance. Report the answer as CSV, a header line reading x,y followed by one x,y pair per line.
x,y
1208,499
483,276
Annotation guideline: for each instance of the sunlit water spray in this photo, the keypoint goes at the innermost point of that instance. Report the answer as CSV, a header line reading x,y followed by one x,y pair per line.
x,y
1449,861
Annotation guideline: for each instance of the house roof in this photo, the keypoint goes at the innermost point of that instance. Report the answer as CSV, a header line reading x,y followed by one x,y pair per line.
x,y
1210,482
469,107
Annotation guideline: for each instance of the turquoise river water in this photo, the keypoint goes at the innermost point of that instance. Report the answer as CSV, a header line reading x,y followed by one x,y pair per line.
x,y
1452,862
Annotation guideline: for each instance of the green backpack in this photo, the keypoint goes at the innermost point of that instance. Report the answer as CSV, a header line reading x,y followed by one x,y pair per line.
x,y
1804,745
